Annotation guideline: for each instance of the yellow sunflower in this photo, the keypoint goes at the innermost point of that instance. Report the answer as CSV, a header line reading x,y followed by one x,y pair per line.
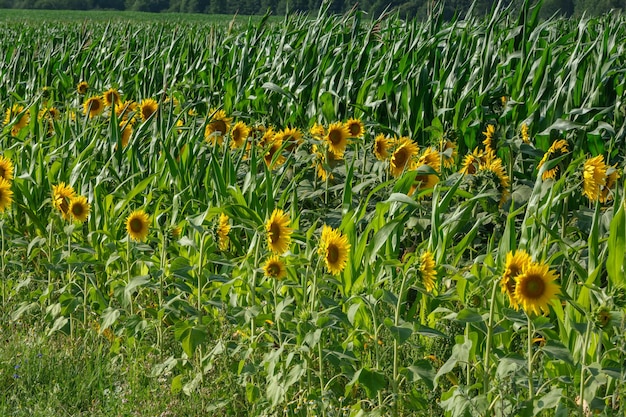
x,y
22,118
111,97
334,248
125,109
558,148
93,106
471,162
403,157
355,128
318,131
137,225
79,208
147,108
6,194
321,161
524,133
612,174
274,148
535,288
217,127
239,134
127,131
291,137
82,87
427,271
495,166
513,266
6,168
491,130
381,147
278,232
275,268
429,158
223,228
594,177
337,138
448,152
62,194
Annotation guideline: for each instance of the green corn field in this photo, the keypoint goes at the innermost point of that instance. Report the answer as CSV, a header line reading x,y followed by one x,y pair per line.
x,y
330,215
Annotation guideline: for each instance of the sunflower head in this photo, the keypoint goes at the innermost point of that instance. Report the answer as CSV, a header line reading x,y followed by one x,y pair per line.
x,y
558,148
82,87
138,225
275,268
535,288
93,106
355,128
126,131
334,249
125,109
513,266
448,152
62,194
381,147
22,118
239,134
6,168
427,271
524,133
278,232
403,157
147,108
489,133
337,138
318,131
217,127
594,177
111,97
612,174
223,228
273,149
79,208
291,137
6,194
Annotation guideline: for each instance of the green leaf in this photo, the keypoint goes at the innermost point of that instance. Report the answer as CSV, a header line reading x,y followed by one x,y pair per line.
x,y
372,381
548,401
423,371
402,332
177,384
616,261
460,353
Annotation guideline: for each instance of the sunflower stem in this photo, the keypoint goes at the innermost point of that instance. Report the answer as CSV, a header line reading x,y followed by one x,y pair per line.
x,y
2,264
396,321
128,243
530,360
581,393
489,335
161,277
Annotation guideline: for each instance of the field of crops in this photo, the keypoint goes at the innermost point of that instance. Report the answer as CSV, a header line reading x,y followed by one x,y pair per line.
x,y
313,216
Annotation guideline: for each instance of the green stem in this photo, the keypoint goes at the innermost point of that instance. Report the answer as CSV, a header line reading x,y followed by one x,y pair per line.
x,y
531,392
489,336
128,243
253,284
277,317
199,276
161,278
582,369
396,321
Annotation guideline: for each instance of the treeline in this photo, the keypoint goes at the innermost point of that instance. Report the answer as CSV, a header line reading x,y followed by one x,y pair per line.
x,y
406,8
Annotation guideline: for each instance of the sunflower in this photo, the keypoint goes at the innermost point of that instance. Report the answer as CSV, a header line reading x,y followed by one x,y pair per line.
x,y
334,248
424,180
82,87
381,147
318,131
49,113
535,288
427,271
291,137
558,148
612,174
594,177
321,161
79,208
93,106
337,138
503,180
448,152
22,118
217,127
275,268
6,195
471,162
62,194
356,128
278,232
524,133
111,97
223,228
127,131
491,130
513,266
274,148
147,108
125,109
6,168
137,225
239,134
403,156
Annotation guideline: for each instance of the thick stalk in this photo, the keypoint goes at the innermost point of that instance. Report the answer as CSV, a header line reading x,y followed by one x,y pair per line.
x,y
396,321
531,392
581,393
489,336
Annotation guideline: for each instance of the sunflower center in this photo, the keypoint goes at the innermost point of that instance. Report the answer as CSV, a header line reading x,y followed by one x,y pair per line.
x,y
380,148
64,206
273,270
2,172
400,158
219,126
78,210
95,105
332,254
335,137
534,287
274,233
136,225
354,129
